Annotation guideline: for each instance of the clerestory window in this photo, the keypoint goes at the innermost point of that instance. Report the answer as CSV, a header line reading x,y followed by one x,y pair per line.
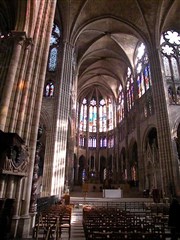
x,y
170,50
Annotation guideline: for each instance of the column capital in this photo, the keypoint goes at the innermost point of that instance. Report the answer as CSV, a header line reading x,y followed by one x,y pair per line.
x,y
18,37
68,43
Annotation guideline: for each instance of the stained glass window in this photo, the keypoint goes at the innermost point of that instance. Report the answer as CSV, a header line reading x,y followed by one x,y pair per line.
x,y
82,141
49,89
120,107
130,89
53,59
170,50
54,44
92,112
94,142
110,114
102,116
104,142
92,116
83,116
101,142
142,70
90,142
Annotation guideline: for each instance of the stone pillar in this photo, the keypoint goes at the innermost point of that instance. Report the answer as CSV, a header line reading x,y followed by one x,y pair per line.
x,y
18,38
62,120
163,129
20,87
32,100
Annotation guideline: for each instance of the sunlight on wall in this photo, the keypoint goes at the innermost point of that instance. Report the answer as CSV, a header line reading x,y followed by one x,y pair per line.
x,y
58,173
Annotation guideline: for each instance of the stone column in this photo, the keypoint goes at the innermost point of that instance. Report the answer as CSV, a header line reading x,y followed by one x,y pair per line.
x,y
62,120
32,121
163,129
20,87
30,76
18,38
32,107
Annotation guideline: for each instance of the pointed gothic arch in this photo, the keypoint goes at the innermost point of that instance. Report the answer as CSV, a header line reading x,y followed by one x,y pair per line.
x,y
151,161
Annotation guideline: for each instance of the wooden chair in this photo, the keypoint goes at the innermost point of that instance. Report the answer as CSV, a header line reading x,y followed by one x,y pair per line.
x,y
40,227
65,222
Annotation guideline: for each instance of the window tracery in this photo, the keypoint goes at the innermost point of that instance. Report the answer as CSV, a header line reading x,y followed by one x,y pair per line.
x,y
95,116
170,50
96,113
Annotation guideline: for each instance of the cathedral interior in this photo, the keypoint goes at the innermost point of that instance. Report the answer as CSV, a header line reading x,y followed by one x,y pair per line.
x,y
89,93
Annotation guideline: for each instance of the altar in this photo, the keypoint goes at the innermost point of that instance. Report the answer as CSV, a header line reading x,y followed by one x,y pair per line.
x,y
112,193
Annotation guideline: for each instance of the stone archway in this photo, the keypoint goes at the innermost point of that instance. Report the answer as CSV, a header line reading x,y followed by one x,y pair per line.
x,y
152,168
81,170
132,164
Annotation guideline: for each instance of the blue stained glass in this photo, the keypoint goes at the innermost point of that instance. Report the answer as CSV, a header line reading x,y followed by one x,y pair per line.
x,y
105,142
54,41
53,59
146,77
57,30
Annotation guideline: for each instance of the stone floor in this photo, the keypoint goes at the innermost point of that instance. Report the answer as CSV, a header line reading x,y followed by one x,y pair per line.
x,y
77,232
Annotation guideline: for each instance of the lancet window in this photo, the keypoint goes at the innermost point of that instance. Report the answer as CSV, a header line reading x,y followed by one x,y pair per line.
x,y
130,89
54,44
120,108
102,116
142,70
49,89
110,115
83,116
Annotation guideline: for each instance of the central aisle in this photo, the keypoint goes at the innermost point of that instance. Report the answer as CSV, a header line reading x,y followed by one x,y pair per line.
x,y
77,232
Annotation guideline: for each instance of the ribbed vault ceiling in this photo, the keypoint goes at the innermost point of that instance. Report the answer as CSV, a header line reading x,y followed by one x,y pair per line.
x,y
105,34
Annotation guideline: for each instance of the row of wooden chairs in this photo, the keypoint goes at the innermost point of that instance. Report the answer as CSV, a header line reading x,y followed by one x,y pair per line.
x,y
51,222
115,223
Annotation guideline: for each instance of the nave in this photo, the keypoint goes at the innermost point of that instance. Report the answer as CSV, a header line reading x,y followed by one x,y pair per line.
x,y
100,218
